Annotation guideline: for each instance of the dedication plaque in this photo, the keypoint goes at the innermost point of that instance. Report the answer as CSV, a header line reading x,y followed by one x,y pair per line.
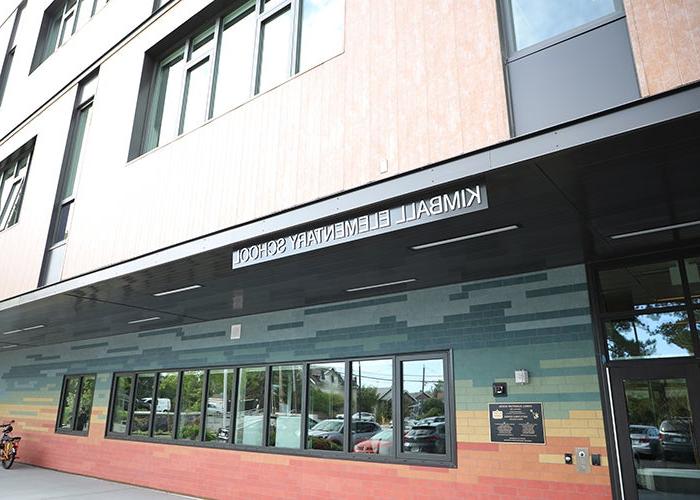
x,y
516,423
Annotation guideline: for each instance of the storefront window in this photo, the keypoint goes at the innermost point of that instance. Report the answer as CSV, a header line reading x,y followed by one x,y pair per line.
x,y
70,397
120,404
423,406
164,421
326,426
141,419
218,412
190,417
250,406
285,407
371,404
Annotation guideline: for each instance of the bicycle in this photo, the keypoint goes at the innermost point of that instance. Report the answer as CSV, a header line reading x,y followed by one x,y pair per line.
x,y
8,445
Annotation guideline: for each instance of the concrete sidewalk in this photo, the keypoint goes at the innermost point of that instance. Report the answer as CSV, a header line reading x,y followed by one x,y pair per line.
x,y
28,482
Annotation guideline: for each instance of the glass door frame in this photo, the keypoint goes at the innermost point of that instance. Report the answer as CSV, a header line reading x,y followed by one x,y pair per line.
x,y
655,369
608,369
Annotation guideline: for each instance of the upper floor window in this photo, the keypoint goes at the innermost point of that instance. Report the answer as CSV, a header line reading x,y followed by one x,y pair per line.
x,y
13,178
11,26
536,22
61,20
248,50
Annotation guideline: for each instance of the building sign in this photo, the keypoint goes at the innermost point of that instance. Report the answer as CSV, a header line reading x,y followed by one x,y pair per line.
x,y
437,207
516,423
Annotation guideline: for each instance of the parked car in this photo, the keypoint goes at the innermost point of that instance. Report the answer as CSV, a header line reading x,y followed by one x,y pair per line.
x,y
428,438
364,416
163,404
431,420
675,439
332,430
645,440
379,444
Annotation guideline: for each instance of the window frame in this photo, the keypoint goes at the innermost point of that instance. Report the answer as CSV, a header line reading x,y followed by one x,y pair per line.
x,y
64,387
18,179
601,318
148,117
449,459
508,30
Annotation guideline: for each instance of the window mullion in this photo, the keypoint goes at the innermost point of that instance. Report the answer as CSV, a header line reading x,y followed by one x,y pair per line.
x,y
266,406
234,404
214,55
154,404
304,405
183,86
130,406
295,37
347,408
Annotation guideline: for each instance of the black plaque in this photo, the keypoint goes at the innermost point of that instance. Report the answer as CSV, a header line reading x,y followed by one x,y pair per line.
x,y
516,423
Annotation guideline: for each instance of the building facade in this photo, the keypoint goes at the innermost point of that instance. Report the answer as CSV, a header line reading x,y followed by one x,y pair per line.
x,y
344,248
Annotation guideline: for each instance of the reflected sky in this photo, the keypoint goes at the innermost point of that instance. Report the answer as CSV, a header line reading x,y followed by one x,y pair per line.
x,y
321,31
537,20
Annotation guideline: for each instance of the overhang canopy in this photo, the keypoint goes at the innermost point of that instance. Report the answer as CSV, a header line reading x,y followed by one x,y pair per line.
x,y
567,189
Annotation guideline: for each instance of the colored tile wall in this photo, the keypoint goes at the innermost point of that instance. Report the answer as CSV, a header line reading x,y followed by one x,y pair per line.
x,y
537,321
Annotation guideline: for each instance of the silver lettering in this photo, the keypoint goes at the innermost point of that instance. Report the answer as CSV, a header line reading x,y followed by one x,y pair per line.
x,y
422,209
451,204
384,218
475,195
435,205
351,227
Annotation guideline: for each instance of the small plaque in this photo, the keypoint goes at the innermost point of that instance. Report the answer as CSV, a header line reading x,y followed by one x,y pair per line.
x,y
516,423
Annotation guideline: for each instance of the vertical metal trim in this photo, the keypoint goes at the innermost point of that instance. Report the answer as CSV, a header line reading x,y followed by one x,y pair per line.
x,y
504,21
266,405
347,408
396,405
205,406
183,86
178,396
304,405
234,404
132,395
74,417
295,35
154,404
62,397
214,72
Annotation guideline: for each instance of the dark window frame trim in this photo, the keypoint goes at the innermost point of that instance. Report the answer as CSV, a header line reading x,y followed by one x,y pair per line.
x,y
689,307
81,377
26,149
423,459
512,54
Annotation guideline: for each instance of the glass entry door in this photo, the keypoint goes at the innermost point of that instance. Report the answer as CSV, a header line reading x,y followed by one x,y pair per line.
x,y
657,412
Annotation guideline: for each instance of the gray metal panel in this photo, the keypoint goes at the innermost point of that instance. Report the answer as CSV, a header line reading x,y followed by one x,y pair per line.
x,y
579,76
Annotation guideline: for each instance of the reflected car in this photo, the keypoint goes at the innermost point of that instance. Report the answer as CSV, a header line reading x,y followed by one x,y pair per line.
x,y
332,430
675,439
645,440
364,416
379,444
428,438
430,420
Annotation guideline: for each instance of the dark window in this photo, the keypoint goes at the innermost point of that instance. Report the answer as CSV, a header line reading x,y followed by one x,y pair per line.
x,y
76,404
327,408
12,24
13,179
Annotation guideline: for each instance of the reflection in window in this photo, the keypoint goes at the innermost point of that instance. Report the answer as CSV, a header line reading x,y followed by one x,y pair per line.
x,y
141,419
249,406
165,109
537,20
650,336
661,437
635,288
285,406
423,406
326,396
235,72
190,416
276,50
692,271
76,405
218,412
13,177
321,31
70,396
120,404
371,397
164,421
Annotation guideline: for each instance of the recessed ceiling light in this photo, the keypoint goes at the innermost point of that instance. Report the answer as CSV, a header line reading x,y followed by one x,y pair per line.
x,y
465,237
154,318
10,346
380,285
24,329
177,290
654,230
